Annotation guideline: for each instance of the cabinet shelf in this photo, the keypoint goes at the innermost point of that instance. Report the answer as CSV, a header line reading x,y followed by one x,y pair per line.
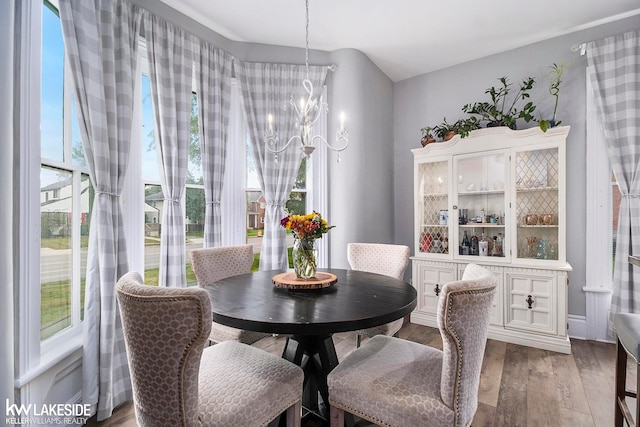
x,y
481,225
479,193
535,189
537,226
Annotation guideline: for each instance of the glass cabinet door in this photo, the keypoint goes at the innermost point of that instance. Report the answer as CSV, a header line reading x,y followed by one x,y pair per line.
x,y
432,208
536,174
481,204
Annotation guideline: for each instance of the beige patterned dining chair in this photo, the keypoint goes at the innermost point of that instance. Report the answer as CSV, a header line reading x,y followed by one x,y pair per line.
x,y
177,383
390,260
213,264
394,382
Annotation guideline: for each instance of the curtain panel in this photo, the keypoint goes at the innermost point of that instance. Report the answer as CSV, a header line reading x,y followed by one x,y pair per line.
x,y
213,71
266,89
101,43
614,70
170,52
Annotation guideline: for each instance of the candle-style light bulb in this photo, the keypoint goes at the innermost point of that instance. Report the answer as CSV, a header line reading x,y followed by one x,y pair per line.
x,y
270,120
342,120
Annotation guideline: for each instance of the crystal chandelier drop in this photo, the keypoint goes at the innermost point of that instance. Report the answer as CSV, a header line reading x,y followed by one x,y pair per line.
x,y
307,112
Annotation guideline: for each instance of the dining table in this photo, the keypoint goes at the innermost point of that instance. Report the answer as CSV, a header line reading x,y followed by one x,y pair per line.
x,y
309,317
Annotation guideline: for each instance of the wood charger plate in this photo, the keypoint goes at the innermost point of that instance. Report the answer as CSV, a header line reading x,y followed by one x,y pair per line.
x,y
289,280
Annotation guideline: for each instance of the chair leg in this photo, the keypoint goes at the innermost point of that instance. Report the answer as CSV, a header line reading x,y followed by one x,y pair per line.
x,y
358,340
294,414
336,417
621,408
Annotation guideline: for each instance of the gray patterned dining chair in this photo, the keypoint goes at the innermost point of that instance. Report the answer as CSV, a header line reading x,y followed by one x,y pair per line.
x,y
394,382
213,264
390,260
177,382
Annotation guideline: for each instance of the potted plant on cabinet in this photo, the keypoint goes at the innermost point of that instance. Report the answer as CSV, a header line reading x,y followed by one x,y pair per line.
x,y
554,89
445,131
498,112
427,136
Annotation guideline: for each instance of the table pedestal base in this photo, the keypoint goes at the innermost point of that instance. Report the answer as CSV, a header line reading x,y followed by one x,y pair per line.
x,y
316,355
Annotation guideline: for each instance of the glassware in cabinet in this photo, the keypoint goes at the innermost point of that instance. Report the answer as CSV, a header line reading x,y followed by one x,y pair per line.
x,y
537,204
480,202
433,211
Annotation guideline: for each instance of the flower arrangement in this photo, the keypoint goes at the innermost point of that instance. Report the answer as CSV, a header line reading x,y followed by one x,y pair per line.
x,y
305,229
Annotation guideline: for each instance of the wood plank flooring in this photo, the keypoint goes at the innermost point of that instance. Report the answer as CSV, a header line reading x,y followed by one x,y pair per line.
x,y
519,386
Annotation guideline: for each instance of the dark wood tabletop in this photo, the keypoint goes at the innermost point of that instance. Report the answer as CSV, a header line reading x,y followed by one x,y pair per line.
x,y
358,300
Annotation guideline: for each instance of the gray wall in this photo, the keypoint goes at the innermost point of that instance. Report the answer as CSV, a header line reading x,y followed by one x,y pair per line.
x,y
361,185
426,99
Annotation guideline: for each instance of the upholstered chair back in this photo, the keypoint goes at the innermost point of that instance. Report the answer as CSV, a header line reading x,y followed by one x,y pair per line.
x,y
165,330
390,260
213,264
463,318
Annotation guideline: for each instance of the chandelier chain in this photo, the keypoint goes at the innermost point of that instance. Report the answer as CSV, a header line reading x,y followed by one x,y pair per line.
x,y
306,49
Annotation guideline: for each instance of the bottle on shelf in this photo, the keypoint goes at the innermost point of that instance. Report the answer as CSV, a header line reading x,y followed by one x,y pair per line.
x,y
482,215
464,248
474,248
500,244
445,242
483,245
494,250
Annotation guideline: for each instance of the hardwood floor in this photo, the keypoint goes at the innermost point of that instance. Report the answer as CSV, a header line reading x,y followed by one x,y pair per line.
x,y
519,386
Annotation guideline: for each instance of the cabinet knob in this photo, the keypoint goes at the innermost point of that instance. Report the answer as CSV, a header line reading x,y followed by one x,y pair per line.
x,y
530,301
437,289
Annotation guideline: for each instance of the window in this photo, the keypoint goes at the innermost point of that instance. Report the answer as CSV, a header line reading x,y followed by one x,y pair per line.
x,y
194,200
297,203
66,194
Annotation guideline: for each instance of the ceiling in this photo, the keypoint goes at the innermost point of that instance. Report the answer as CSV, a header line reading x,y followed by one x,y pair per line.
x,y
405,38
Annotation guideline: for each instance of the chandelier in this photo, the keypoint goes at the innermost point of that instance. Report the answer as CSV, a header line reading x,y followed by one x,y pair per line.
x,y
308,110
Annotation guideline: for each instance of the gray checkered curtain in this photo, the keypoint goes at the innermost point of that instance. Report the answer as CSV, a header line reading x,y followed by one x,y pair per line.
x,y
266,89
101,37
213,71
170,54
614,69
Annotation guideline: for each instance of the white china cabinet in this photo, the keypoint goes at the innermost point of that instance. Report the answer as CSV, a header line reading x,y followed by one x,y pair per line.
x,y
496,198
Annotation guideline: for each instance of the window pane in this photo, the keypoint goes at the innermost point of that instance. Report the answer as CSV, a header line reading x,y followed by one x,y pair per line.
x,y
301,178
297,203
194,172
152,218
194,223
51,122
55,250
252,172
616,197
150,170
77,152
86,204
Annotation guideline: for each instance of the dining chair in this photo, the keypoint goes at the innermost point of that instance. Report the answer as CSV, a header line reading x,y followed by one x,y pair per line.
x,y
627,328
213,264
394,382
390,260
177,382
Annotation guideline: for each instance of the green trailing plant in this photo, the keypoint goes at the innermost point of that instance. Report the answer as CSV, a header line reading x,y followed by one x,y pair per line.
x,y
555,76
501,112
464,126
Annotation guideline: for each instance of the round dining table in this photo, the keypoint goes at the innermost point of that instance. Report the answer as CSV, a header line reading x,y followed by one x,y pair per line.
x,y
310,317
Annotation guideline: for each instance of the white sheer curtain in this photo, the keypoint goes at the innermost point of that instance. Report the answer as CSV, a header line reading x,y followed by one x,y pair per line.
x,y
266,89
213,71
614,70
170,53
101,42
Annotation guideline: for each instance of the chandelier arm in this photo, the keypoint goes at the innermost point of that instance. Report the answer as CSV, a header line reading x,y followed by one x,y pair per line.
x,y
338,149
270,141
